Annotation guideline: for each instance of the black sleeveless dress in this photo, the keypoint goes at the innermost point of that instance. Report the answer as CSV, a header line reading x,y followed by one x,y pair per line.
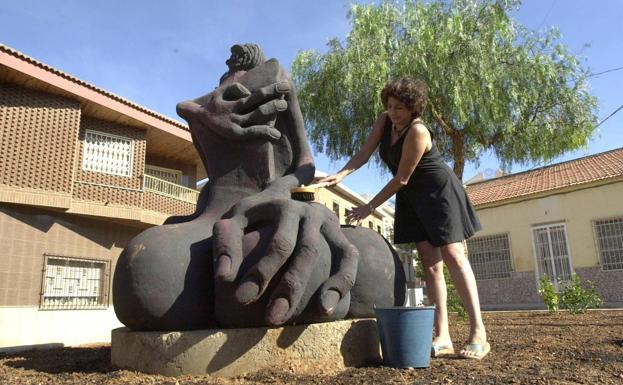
x,y
433,206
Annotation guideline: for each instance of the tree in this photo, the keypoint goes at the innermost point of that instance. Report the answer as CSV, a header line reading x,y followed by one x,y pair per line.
x,y
493,84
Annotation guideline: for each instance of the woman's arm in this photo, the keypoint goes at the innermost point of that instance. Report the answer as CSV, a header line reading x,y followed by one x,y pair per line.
x,y
363,155
415,144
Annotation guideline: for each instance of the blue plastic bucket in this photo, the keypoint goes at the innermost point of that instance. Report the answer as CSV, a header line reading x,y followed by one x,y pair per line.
x,y
406,335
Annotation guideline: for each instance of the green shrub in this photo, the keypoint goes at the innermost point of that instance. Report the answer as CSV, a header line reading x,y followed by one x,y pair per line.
x,y
577,297
547,291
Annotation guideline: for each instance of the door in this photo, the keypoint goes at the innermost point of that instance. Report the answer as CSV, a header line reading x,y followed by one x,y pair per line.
x,y
551,252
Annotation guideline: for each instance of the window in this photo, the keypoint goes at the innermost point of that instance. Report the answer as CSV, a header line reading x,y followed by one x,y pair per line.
x,y
378,229
370,225
109,154
551,252
74,283
490,256
609,234
168,174
336,209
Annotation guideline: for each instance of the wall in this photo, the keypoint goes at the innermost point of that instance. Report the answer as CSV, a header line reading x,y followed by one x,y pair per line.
x,y
22,328
28,233
39,134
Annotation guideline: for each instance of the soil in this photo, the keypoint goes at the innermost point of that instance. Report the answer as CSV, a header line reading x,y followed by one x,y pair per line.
x,y
527,348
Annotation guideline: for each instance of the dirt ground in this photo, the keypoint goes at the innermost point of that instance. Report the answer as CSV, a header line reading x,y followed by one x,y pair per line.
x,y
527,348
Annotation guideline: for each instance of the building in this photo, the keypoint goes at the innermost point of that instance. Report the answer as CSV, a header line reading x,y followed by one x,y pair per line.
x,y
82,171
555,220
340,199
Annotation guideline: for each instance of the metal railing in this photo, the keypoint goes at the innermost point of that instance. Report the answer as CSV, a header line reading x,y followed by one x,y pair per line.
x,y
172,190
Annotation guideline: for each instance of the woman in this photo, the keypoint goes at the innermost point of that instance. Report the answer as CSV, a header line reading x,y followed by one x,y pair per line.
x,y
432,208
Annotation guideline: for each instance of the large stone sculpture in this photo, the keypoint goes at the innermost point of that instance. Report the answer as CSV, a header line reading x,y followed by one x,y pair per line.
x,y
250,255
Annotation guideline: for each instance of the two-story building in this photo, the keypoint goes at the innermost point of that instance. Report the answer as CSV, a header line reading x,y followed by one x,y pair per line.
x,y
341,199
82,171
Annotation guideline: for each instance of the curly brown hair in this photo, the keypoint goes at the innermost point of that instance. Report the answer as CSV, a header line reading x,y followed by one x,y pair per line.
x,y
412,92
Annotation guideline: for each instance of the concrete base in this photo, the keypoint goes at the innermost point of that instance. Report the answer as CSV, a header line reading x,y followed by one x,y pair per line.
x,y
231,352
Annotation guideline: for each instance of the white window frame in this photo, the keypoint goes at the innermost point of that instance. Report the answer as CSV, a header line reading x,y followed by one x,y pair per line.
x,y
598,243
66,293
537,268
499,274
87,146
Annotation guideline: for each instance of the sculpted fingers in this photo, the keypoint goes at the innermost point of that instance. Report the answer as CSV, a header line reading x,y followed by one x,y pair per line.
x,y
282,244
236,132
235,92
340,283
286,297
263,113
227,248
274,91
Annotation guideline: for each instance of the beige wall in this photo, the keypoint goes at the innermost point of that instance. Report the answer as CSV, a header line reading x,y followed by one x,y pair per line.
x,y
327,196
25,327
577,209
28,233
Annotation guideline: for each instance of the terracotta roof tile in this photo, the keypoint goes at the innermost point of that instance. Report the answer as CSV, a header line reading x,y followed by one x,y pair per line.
x,y
588,169
65,75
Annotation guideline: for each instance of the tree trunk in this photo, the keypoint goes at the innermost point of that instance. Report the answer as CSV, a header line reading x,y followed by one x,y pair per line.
x,y
458,152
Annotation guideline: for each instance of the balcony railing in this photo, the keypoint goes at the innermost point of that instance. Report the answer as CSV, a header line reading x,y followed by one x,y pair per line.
x,y
163,187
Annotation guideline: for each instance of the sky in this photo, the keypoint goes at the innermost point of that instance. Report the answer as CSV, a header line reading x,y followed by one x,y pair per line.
x,y
157,54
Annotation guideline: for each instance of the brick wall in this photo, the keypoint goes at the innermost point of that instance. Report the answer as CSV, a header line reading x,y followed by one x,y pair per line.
x,y
38,135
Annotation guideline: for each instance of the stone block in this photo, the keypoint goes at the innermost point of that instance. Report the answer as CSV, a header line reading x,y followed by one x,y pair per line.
x,y
231,352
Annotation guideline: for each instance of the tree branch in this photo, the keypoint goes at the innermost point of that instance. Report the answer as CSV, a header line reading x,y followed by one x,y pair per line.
x,y
440,120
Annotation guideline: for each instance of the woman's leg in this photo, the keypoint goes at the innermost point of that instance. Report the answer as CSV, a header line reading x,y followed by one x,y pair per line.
x,y
436,287
463,277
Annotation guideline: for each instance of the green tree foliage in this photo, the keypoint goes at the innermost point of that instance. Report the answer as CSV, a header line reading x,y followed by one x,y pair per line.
x,y
493,84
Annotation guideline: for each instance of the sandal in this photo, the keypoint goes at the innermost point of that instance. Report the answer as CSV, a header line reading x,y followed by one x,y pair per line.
x,y
479,351
441,350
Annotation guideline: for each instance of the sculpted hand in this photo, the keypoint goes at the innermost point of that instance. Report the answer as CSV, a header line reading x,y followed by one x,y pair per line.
x,y
299,227
233,112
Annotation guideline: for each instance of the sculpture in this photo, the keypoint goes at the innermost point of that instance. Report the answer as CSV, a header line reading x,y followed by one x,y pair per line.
x,y
250,255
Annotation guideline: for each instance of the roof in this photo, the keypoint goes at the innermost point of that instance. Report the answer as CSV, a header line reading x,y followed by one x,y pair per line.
x,y
28,59
600,167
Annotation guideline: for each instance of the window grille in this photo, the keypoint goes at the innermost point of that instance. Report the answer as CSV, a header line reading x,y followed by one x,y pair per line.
x,y
609,234
490,256
73,283
109,154
551,252
168,174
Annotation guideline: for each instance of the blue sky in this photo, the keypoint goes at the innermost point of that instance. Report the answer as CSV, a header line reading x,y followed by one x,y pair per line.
x,y
159,53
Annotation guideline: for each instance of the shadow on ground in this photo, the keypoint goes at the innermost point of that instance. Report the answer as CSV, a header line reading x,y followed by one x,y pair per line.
x,y
62,360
